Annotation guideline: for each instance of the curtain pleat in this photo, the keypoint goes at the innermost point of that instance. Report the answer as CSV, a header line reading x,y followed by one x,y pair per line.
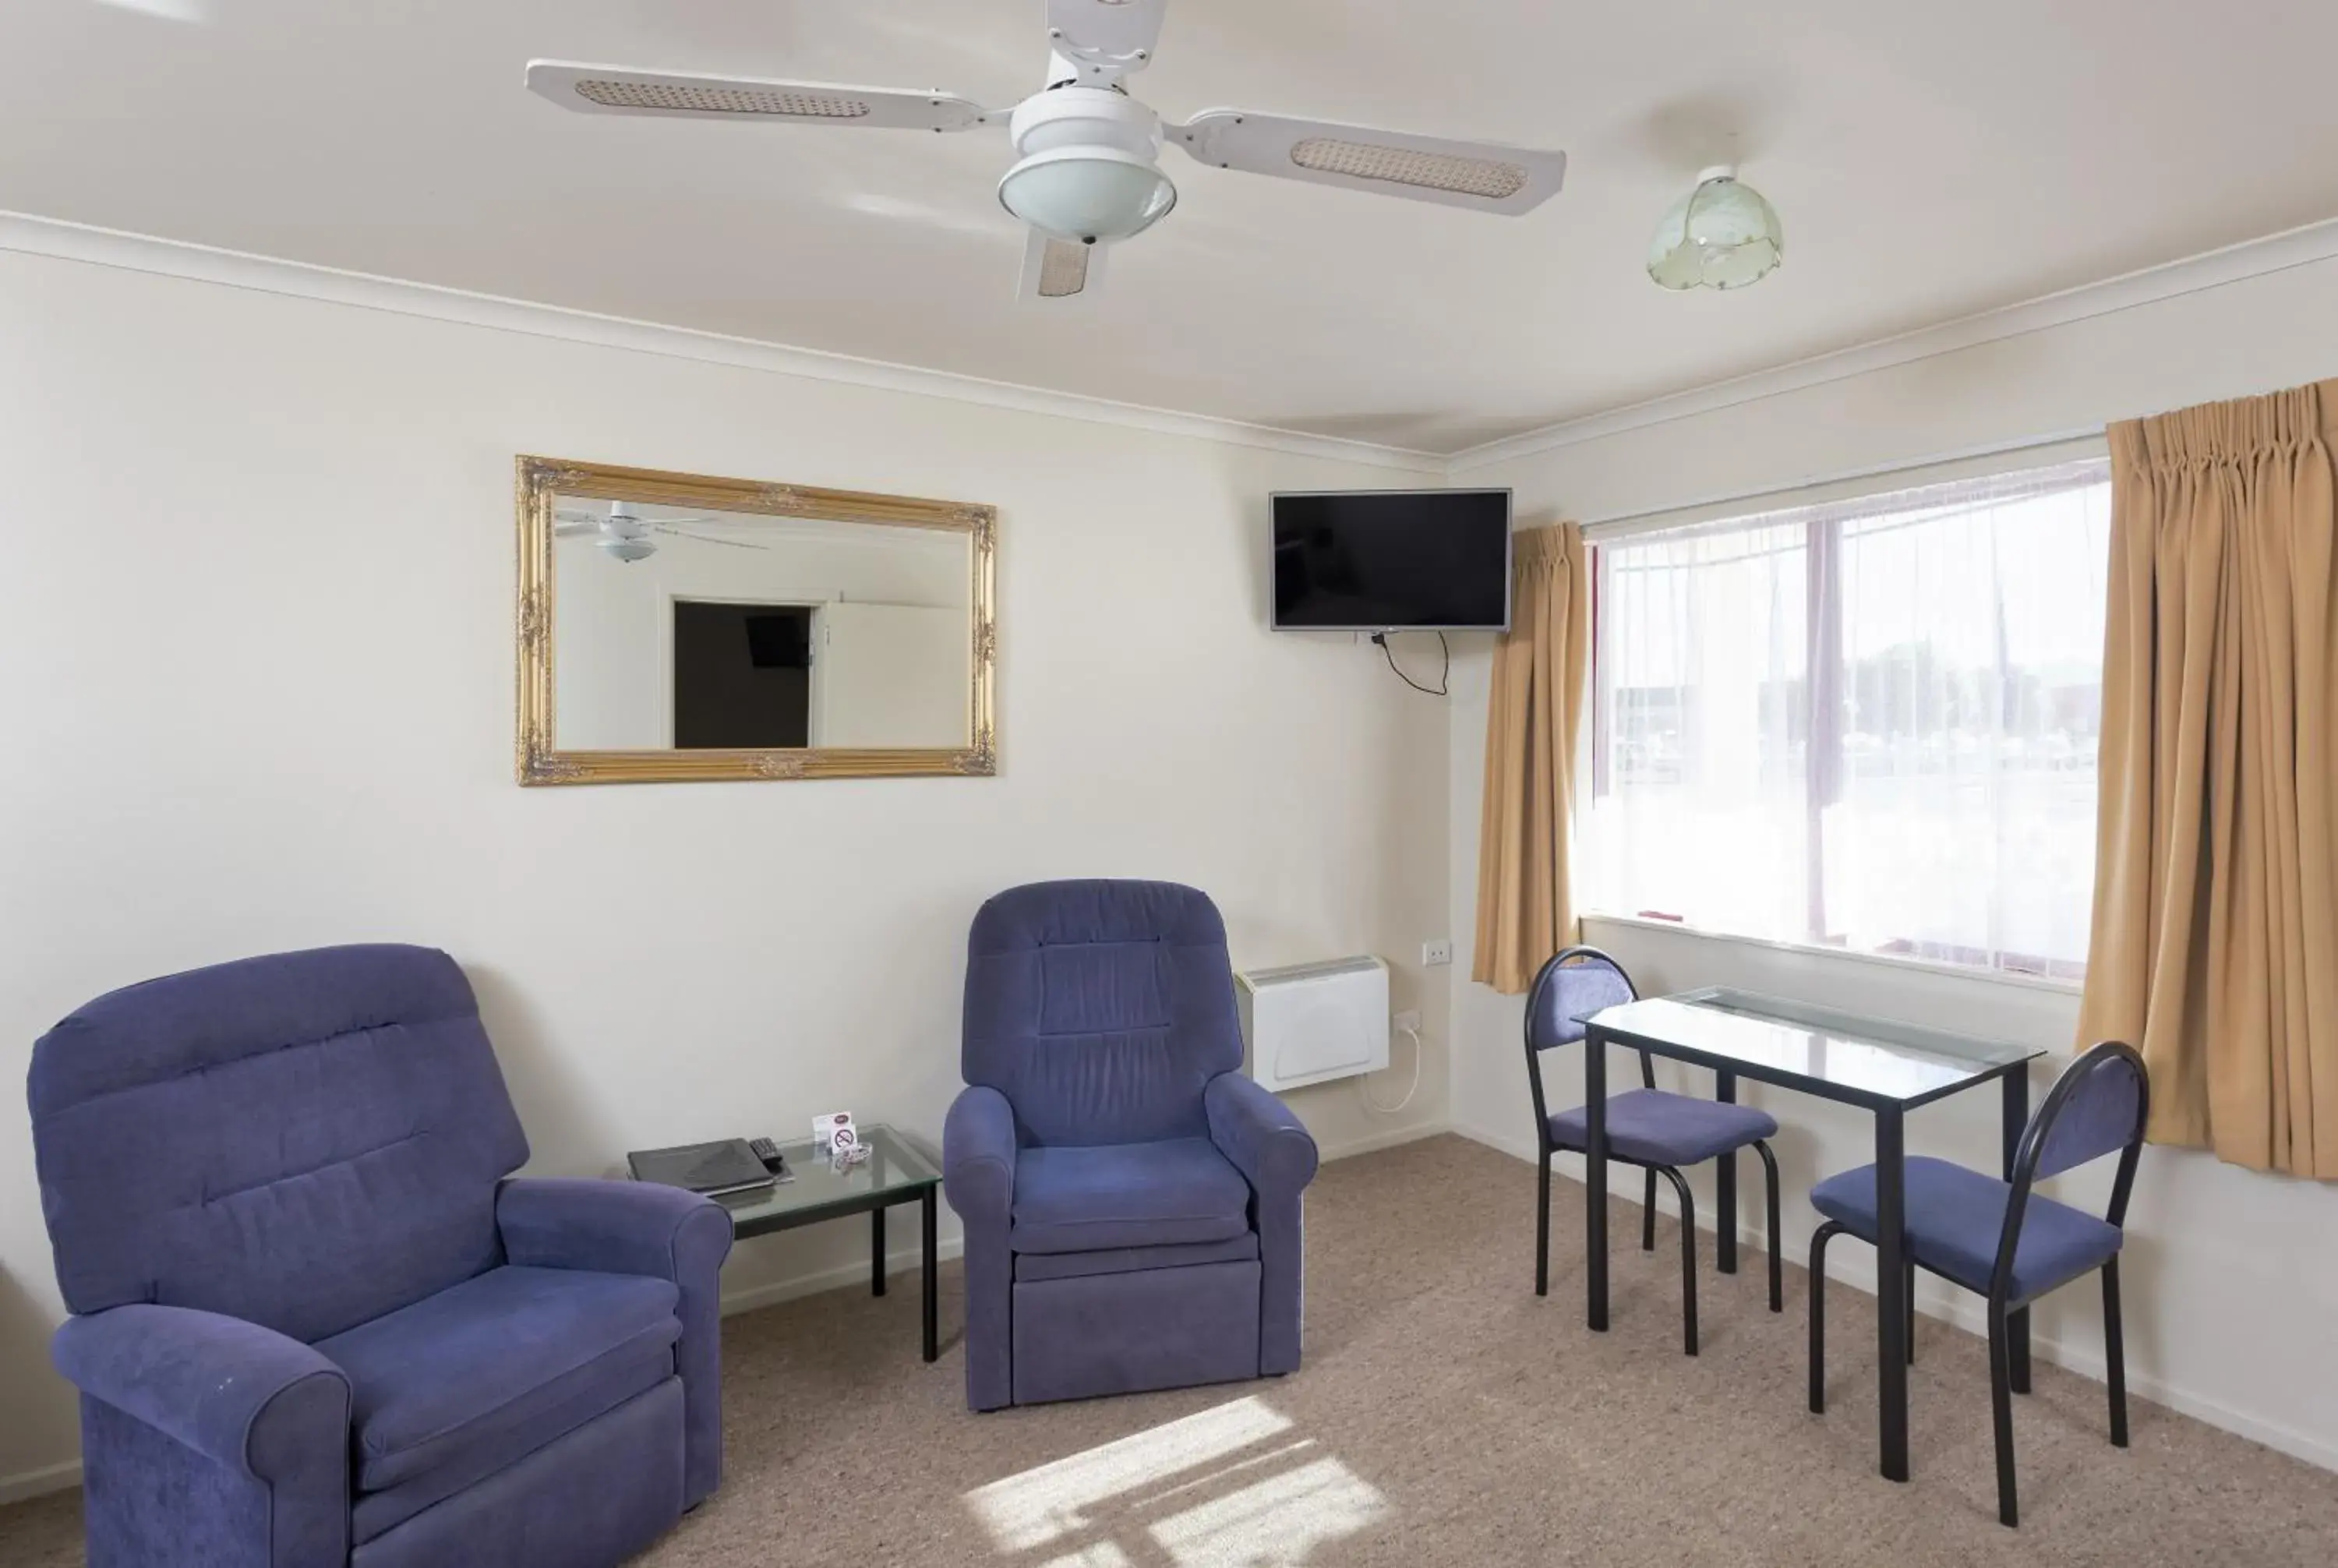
x,y
1533,718
2215,944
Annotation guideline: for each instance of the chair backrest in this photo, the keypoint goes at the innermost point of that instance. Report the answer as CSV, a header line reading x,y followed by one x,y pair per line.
x,y
1575,981
1100,1009
2100,1105
305,1142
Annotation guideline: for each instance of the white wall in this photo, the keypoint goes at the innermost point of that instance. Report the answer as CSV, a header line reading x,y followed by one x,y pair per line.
x,y
2231,1284
256,620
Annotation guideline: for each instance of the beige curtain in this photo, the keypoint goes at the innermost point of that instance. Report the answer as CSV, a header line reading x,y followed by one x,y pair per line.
x,y
2216,924
1536,711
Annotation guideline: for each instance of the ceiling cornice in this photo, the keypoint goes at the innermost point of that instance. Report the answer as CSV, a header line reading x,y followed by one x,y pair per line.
x,y
52,237
2211,270
179,258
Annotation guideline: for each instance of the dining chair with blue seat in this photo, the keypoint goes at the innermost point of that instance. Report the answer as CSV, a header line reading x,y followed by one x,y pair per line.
x,y
1649,1127
2003,1240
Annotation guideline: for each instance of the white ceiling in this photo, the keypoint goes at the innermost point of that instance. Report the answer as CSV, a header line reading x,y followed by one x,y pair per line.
x,y
1929,161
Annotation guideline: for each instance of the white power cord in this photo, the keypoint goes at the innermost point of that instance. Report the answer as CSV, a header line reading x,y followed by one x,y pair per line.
x,y
1364,1089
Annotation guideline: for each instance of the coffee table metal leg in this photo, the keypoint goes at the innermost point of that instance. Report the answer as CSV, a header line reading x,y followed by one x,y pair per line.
x,y
928,1219
877,1251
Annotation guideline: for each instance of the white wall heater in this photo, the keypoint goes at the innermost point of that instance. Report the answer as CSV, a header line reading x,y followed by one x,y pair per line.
x,y
1311,1023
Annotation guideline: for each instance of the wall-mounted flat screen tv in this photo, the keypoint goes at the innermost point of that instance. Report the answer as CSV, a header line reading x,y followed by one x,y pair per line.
x,y
1392,560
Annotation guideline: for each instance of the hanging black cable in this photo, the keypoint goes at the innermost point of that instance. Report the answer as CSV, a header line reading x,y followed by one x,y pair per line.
x,y
1444,677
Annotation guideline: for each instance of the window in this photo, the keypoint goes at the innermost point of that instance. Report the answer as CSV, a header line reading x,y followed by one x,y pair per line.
x,y
1868,724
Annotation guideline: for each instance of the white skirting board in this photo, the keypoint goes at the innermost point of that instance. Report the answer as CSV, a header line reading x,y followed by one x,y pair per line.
x,y
1855,1266
34,1483
900,1260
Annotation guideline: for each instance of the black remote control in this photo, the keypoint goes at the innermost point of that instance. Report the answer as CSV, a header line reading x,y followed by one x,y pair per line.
x,y
766,1150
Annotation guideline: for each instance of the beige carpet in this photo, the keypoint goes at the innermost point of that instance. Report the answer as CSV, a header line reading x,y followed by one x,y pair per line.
x,y
1445,1415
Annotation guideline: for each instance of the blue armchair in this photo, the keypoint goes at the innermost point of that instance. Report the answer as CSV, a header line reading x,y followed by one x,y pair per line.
x,y
315,1324
1131,1200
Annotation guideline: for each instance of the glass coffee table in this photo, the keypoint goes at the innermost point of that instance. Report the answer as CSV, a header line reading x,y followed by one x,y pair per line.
x,y
893,1173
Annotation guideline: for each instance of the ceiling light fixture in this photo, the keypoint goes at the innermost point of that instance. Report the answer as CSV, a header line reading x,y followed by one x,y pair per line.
x,y
1089,168
1720,235
1087,194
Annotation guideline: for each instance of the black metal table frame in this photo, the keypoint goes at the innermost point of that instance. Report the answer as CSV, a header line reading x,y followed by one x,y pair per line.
x,y
1892,1305
926,1195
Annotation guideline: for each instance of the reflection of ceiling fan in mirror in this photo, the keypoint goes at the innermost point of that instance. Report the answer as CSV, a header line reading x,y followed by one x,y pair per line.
x,y
1087,171
625,533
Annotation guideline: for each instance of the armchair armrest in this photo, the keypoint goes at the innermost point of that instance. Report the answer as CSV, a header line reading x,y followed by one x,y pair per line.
x,y
978,1155
979,1174
614,1227
1276,1155
1268,1144
242,1396
640,1227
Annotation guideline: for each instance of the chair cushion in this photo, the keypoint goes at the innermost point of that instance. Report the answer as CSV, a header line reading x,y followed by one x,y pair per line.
x,y
1955,1217
1652,1127
474,1365
1028,1266
1089,1200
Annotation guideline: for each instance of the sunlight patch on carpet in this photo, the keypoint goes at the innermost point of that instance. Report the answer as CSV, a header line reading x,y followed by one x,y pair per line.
x,y
1229,1487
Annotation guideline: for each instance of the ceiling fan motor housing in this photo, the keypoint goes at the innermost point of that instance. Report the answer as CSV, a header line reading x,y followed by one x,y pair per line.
x,y
1085,117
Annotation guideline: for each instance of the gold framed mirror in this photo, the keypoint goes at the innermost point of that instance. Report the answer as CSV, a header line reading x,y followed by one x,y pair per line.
x,y
676,627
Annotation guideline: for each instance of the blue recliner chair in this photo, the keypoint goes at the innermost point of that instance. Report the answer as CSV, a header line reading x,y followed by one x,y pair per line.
x,y
314,1323
1131,1200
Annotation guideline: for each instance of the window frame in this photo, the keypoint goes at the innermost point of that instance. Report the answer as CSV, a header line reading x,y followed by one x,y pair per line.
x,y
1839,497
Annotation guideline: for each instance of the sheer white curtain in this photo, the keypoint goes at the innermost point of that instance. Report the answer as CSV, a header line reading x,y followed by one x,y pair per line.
x,y
1868,724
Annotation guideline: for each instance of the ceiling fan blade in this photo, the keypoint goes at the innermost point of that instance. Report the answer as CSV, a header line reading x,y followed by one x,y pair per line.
x,y
671,94
568,529
1059,271
1107,39
1485,175
704,538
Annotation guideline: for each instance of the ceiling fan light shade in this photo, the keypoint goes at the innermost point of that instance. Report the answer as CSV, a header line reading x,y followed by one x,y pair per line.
x,y
1087,194
1720,235
625,549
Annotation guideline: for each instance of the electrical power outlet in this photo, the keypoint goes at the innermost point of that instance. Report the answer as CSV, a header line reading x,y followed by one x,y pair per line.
x,y
1406,1021
1437,952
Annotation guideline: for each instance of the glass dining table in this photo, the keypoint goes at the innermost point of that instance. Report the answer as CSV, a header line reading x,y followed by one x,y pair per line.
x,y
1885,1067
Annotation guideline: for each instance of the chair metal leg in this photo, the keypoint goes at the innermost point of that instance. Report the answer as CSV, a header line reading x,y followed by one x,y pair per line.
x,y
1649,1214
1777,1266
2000,1398
1825,1233
1688,1259
1542,1226
2115,1352
1908,1296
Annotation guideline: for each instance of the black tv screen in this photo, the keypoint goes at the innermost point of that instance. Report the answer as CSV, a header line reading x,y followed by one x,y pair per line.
x,y
1392,560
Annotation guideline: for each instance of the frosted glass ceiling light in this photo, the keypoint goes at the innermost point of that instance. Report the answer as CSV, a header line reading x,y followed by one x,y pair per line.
x,y
1720,235
1087,194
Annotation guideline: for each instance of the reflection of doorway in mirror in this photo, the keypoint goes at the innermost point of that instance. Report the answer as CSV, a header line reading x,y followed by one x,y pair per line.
x,y
742,675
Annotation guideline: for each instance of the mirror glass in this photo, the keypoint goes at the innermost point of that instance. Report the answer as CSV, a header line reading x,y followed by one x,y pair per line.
x,y
692,628
675,627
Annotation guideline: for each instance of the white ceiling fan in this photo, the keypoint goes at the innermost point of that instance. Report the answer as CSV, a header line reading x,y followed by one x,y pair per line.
x,y
1088,155
626,535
